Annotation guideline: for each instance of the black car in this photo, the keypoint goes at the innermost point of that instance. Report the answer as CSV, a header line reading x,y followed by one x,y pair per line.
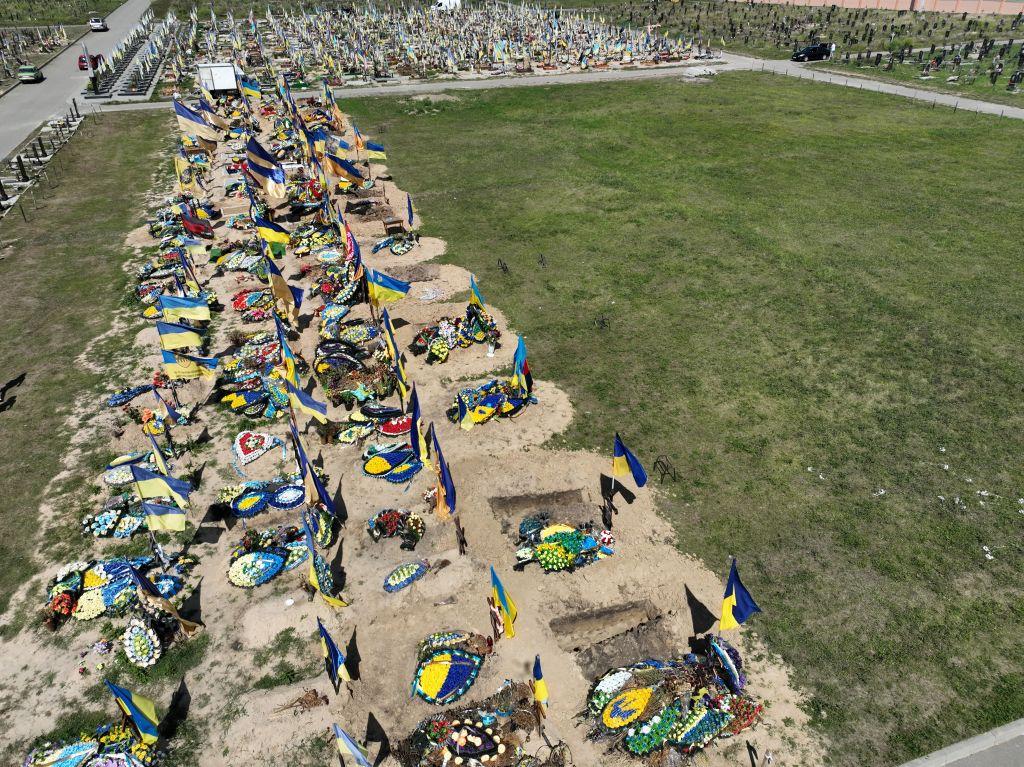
x,y
818,52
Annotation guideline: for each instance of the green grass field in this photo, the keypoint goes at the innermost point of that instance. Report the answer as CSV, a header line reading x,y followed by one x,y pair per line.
x,y
813,296
63,284
15,13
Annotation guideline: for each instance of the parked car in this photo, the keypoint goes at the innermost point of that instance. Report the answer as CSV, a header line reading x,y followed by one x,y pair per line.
x,y
29,73
97,59
98,24
817,52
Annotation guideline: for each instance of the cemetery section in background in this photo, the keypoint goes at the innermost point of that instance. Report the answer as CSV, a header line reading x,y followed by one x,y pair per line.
x,y
22,13
974,7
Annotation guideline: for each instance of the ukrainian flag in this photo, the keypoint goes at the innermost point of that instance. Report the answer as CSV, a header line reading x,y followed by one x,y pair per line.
x,y
503,600
250,87
169,413
176,308
540,687
522,379
389,335
375,151
149,484
283,292
162,517
737,604
175,336
211,115
192,124
257,155
419,445
334,660
271,180
139,710
343,169
272,232
624,462
475,298
287,358
158,455
205,367
445,486
302,401
384,289
351,753
408,209
314,580
179,370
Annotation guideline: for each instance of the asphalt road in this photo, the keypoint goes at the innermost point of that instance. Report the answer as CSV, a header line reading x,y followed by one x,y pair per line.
x,y
27,106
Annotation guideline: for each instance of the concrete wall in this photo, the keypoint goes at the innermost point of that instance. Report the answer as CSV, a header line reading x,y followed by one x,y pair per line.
x,y
941,6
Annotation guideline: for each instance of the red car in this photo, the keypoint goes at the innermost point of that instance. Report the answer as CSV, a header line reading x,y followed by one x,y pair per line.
x,y
97,59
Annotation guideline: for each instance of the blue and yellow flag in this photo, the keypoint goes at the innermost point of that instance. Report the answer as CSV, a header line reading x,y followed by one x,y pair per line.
x,y
334,660
384,289
304,402
257,155
290,298
389,335
159,516
250,86
141,712
176,308
287,358
336,166
149,484
175,336
317,562
419,446
624,462
206,367
737,604
540,687
445,486
375,151
351,753
192,123
522,379
271,232
475,298
314,486
271,180
401,380
504,601
408,209
211,116
158,455
162,408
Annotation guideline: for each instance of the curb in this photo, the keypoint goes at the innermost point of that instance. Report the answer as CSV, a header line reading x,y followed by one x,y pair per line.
x,y
971,746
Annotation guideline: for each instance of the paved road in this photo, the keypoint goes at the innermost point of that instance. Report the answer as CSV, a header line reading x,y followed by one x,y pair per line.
x,y
1001,747
24,108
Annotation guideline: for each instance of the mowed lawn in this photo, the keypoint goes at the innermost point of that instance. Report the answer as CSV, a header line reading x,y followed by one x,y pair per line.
x,y
815,307
62,282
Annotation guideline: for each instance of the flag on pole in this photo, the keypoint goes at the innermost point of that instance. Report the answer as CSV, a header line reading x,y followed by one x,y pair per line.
x,y
389,335
141,712
351,753
336,166
624,462
149,594
318,565
540,687
334,660
271,232
737,604
158,455
149,484
160,516
419,445
445,485
169,413
192,124
384,289
475,298
522,379
504,601
304,402
175,336
408,209
174,308
290,298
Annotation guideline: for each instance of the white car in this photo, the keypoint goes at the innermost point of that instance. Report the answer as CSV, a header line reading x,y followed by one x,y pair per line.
x,y
98,24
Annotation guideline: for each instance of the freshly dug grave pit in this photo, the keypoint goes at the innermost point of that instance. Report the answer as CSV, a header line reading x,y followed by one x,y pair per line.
x,y
653,639
565,506
583,629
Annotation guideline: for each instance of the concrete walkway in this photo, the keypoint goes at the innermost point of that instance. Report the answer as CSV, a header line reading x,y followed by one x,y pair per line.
x,y
1001,747
729,62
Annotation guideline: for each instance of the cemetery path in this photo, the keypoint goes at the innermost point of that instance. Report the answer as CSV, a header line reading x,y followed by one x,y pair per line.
x,y
729,62
26,107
